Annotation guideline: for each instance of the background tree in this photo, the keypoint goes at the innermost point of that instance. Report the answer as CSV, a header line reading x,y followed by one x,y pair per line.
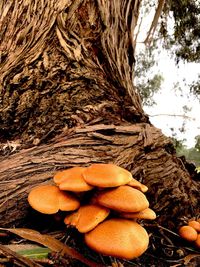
x,y
185,38
195,88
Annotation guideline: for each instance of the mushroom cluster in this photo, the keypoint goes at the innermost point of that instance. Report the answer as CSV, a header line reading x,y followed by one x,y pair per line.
x,y
191,232
103,202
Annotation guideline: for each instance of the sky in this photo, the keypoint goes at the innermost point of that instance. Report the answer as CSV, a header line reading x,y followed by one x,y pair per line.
x,y
170,103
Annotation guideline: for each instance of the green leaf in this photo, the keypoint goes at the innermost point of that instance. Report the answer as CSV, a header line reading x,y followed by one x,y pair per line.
x,y
36,253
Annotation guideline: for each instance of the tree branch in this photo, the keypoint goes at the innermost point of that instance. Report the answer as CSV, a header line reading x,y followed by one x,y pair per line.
x,y
154,22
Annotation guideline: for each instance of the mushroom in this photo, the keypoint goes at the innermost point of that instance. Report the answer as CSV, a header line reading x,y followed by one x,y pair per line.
x,y
106,175
194,224
188,233
61,176
147,214
49,199
72,180
118,238
123,198
113,188
136,184
87,217
76,184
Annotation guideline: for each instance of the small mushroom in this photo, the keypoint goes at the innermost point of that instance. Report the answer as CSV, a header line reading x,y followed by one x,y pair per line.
x,y
194,224
136,184
61,176
123,198
77,184
188,233
87,217
72,180
49,199
118,238
147,214
106,175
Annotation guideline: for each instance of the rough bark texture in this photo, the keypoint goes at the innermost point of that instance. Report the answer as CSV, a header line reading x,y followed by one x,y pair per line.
x,y
64,63
67,99
140,148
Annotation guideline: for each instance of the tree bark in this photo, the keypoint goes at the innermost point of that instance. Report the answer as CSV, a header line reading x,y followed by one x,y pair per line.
x,y
64,63
67,99
140,148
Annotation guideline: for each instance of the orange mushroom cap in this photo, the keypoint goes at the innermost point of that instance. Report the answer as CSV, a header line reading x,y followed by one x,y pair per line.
x,y
136,184
70,173
118,238
75,184
123,198
48,199
68,202
106,175
87,217
147,214
194,224
188,233
72,180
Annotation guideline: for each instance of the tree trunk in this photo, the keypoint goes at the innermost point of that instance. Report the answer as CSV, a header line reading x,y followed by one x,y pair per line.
x,y
67,99
65,63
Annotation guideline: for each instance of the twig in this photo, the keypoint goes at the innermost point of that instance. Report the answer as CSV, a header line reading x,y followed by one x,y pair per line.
x,y
159,226
154,22
173,115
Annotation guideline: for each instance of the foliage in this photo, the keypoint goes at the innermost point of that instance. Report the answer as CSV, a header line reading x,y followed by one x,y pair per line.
x,y
184,41
147,83
195,88
197,145
191,154
185,38
179,33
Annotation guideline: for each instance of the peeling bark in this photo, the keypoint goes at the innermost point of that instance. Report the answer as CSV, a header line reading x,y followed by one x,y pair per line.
x,y
64,63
